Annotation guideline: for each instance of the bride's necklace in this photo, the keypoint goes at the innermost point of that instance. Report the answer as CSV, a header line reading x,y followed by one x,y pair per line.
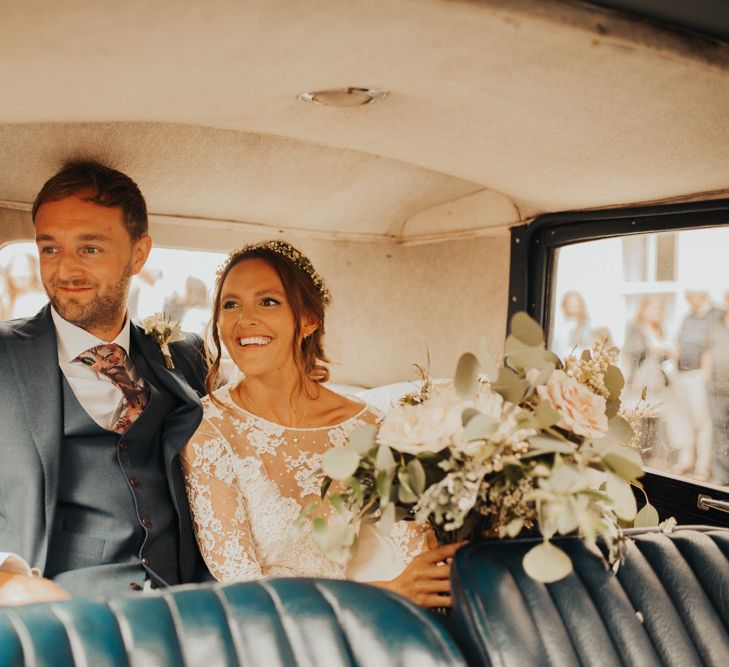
x,y
248,401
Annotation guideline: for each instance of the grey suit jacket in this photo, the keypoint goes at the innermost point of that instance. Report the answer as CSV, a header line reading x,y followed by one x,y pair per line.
x,y
31,430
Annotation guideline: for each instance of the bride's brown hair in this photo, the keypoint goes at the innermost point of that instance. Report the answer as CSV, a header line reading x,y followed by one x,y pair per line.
x,y
306,293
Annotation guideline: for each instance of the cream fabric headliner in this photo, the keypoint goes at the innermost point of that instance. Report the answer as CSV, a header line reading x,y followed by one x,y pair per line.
x,y
498,110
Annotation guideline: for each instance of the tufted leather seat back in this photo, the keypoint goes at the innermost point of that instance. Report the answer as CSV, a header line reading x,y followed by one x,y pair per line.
x,y
668,604
307,622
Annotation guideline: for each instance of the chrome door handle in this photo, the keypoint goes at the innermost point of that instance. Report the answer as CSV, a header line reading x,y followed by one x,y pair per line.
x,y
705,502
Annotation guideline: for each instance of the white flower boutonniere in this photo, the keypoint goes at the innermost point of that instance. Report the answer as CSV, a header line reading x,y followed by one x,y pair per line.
x,y
164,331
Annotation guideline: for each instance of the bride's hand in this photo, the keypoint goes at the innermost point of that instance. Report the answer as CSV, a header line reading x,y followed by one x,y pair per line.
x,y
426,580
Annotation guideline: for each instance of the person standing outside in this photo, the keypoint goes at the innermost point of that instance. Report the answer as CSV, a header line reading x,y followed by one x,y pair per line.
x,y
92,418
716,365
691,428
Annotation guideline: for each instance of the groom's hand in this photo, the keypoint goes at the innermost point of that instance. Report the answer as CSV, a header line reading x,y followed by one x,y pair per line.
x,y
22,589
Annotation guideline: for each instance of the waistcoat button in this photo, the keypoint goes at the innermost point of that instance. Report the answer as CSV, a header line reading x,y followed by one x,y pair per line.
x,y
135,586
133,481
123,446
146,522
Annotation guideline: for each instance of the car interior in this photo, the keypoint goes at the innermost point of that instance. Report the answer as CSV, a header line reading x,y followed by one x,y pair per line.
x,y
444,164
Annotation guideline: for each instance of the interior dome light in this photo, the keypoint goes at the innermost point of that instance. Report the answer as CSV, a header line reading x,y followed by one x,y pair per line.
x,y
343,97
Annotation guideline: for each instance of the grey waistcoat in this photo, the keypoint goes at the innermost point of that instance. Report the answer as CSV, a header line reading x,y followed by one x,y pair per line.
x,y
115,521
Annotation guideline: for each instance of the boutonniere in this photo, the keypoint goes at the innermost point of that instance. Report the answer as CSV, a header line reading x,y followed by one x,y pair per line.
x,y
164,331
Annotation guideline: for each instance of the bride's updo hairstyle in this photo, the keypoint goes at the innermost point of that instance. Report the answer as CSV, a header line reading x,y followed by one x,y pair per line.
x,y
306,292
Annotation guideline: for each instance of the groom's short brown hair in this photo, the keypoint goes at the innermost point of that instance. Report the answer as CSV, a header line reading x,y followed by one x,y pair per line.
x,y
109,188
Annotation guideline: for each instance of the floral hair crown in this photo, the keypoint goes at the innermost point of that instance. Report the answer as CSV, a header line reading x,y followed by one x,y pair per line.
x,y
288,251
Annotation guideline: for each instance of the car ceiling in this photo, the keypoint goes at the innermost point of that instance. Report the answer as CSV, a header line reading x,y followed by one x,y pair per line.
x,y
497,110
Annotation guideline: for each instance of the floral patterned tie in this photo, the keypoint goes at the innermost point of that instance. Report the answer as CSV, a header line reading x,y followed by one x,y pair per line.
x,y
109,361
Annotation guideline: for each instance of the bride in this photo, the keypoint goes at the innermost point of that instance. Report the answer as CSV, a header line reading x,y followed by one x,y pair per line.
x,y
250,466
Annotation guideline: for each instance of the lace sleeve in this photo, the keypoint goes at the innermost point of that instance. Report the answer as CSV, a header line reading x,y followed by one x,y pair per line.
x,y
218,507
409,539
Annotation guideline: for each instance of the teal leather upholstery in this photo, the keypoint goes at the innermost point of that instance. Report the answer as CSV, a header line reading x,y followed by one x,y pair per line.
x,y
667,605
270,623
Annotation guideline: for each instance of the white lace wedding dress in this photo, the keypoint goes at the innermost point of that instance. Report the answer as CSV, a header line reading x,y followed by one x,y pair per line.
x,y
247,480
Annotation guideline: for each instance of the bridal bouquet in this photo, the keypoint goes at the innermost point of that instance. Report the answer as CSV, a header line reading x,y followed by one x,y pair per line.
x,y
542,446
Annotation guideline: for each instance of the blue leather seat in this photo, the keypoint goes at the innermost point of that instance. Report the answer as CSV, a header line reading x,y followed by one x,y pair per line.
x,y
668,604
274,622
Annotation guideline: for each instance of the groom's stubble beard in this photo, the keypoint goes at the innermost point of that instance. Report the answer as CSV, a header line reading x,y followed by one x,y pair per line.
x,y
106,306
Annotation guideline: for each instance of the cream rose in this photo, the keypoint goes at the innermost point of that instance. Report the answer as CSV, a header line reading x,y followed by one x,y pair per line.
x,y
579,409
425,428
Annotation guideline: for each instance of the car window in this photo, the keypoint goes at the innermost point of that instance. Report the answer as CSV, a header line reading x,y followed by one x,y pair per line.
x,y
175,281
663,300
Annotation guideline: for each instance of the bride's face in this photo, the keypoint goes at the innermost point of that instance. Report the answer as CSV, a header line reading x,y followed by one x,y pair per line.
x,y
256,322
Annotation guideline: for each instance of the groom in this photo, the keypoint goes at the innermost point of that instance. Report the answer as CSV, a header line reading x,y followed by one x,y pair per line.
x,y
91,418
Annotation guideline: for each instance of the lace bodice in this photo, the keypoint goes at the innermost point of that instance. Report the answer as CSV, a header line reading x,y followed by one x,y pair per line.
x,y
247,480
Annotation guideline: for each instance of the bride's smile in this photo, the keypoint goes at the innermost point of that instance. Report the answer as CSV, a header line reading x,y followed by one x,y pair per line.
x,y
254,341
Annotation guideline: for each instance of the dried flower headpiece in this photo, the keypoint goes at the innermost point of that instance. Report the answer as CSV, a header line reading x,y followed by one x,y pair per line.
x,y
289,252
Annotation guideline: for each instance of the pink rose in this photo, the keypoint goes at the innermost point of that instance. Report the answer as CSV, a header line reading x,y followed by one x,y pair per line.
x,y
580,411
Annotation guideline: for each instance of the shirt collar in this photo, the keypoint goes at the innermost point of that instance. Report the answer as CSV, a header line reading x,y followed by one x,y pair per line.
x,y
73,340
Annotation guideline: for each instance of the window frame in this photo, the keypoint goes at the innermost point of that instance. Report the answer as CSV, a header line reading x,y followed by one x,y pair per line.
x,y
531,282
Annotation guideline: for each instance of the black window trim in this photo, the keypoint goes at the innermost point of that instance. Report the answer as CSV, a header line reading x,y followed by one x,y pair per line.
x,y
530,286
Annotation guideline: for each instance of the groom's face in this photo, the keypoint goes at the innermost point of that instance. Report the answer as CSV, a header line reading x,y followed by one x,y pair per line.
x,y
87,258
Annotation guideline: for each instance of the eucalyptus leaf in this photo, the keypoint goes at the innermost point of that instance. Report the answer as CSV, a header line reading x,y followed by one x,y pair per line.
x,y
544,444
337,501
512,345
567,479
468,414
614,381
511,387
480,427
362,439
647,517
383,484
526,419
416,473
622,496
340,463
405,492
526,329
624,461
356,486
594,494
547,563
465,381
619,431
531,357
547,371
387,519
334,539
612,406
384,459
550,358
546,415
567,520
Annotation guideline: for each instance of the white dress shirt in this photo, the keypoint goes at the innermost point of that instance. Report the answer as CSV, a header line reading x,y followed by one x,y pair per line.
x,y
96,393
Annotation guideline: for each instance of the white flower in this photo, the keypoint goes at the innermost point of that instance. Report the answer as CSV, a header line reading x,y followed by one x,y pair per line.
x,y
164,332
580,410
489,403
425,428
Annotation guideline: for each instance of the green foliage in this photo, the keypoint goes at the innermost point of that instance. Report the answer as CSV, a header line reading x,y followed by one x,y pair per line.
x,y
465,381
500,457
